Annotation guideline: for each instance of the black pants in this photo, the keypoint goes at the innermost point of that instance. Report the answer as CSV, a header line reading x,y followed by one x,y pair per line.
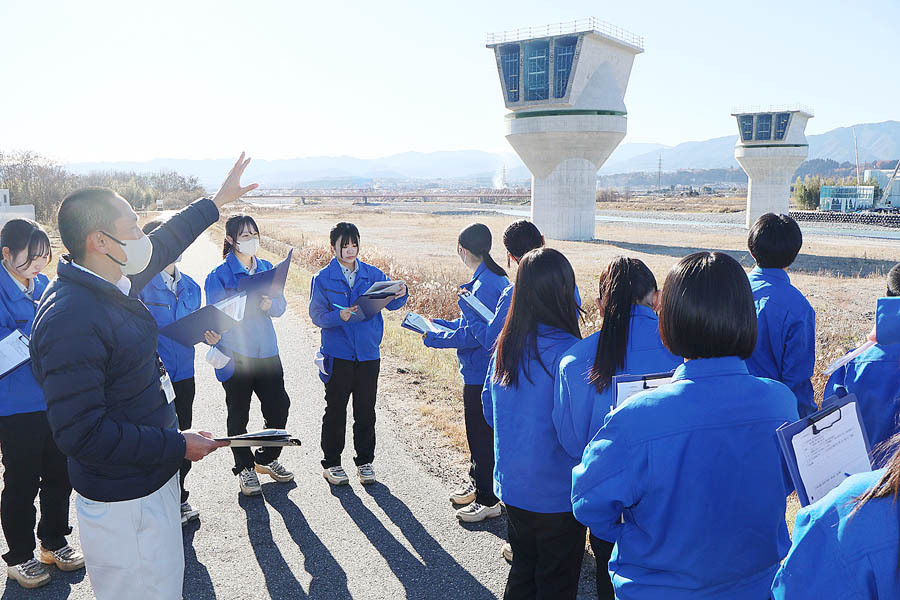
x,y
602,553
359,378
547,552
264,376
32,465
184,408
480,436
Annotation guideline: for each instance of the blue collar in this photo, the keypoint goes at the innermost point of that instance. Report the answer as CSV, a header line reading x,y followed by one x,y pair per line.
x,y
770,274
711,367
639,310
235,265
9,287
478,273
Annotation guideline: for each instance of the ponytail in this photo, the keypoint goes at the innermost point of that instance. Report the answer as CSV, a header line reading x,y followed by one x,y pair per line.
x,y
476,238
234,226
625,281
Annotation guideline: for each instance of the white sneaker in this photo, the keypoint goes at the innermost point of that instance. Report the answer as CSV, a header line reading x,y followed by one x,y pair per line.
x,y
366,474
29,574
188,513
465,494
506,552
478,512
276,471
336,475
249,483
66,558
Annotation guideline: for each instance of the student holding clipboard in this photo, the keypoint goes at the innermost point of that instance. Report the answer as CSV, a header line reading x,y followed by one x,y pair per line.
x,y
487,284
251,359
169,296
350,354
688,479
628,343
532,470
32,463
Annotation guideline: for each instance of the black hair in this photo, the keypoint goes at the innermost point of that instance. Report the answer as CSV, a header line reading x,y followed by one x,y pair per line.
x,y
706,308
151,225
521,237
774,241
624,282
476,238
346,233
82,212
544,293
234,226
893,281
25,234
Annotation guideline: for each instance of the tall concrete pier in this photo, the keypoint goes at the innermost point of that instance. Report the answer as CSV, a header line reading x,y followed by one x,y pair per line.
x,y
565,87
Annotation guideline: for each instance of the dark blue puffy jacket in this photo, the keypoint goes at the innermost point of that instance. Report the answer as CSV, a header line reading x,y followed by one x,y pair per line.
x,y
93,351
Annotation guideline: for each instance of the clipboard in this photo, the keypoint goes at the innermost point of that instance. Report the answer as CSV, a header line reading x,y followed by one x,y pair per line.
x,y
477,305
268,283
264,438
188,330
14,352
373,301
624,387
419,324
824,462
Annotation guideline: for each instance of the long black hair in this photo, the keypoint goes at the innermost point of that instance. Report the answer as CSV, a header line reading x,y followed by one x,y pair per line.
x,y
624,282
544,293
25,234
233,228
476,238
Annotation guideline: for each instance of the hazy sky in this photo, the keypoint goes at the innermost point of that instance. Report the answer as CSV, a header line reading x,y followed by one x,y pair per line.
x,y
113,80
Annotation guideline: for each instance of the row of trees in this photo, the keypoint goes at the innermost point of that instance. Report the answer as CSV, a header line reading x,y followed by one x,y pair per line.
x,y
35,179
806,189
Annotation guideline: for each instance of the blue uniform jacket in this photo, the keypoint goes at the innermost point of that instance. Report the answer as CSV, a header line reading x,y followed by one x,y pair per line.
x,y
473,358
255,335
874,376
93,350
578,409
785,335
487,332
531,469
354,340
695,468
19,392
839,556
167,308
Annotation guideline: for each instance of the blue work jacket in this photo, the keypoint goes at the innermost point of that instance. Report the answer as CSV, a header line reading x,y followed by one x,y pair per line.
x,y
694,470
473,358
531,469
578,408
785,335
840,555
167,308
351,340
19,391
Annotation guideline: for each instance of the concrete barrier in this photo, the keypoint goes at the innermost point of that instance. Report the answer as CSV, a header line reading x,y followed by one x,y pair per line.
x,y
20,211
877,219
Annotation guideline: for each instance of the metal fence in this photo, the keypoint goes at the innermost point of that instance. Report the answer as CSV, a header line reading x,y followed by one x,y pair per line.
x,y
568,27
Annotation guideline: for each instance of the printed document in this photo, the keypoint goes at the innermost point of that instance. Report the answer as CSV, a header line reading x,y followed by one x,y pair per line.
x,y
13,351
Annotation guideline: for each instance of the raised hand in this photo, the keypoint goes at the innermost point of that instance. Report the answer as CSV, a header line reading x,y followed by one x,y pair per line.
x,y
231,189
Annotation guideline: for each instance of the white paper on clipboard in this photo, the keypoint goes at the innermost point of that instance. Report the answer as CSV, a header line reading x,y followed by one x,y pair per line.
x,y
13,351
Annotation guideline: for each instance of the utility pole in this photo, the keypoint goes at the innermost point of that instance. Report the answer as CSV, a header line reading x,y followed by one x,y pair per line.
x,y
659,177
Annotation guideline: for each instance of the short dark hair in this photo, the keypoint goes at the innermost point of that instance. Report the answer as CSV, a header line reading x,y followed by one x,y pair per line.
x,y
25,234
82,212
775,241
893,281
233,228
344,232
151,225
521,237
707,309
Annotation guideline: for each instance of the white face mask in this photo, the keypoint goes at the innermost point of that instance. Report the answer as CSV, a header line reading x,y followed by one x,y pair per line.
x,y
137,254
249,247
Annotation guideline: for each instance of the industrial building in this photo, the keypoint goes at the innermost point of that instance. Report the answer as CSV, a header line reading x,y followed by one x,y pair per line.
x,y
847,198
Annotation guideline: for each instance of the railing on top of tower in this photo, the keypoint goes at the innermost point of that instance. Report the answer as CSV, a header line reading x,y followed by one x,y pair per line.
x,y
568,27
774,108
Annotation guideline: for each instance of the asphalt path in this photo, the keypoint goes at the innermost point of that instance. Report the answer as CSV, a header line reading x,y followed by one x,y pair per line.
x,y
397,538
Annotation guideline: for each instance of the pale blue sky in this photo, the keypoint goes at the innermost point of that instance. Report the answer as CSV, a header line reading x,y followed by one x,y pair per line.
x,y
104,80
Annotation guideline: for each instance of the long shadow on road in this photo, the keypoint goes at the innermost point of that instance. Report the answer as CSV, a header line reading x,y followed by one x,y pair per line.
x,y
437,571
197,582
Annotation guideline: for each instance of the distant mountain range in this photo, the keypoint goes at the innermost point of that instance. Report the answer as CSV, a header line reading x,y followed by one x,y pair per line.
x,y
877,141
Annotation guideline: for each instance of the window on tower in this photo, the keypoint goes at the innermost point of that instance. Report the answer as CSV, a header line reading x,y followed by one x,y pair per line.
x,y
763,127
781,125
537,62
564,55
509,62
746,123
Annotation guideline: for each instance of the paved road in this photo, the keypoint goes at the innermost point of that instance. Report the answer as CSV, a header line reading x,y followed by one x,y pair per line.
x,y
394,539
